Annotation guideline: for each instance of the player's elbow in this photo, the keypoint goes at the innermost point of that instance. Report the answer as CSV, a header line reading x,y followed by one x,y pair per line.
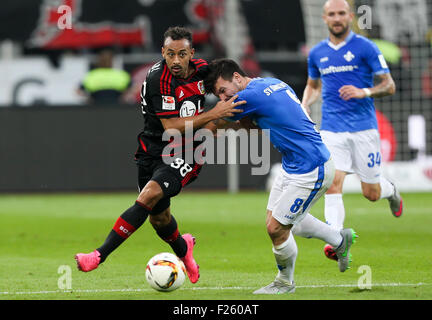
x,y
392,88
390,85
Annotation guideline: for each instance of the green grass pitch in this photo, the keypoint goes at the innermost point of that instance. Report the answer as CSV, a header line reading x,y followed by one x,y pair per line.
x,y
41,233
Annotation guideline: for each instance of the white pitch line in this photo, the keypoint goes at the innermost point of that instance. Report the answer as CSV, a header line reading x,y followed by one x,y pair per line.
x,y
211,288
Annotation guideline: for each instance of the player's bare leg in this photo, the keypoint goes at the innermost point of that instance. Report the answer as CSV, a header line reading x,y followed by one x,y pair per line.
x,y
370,191
385,189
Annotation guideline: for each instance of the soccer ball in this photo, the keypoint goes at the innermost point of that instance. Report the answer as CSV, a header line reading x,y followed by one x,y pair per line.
x,y
165,272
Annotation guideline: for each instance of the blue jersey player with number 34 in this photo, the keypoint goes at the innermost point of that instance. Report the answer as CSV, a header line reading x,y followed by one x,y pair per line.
x,y
344,66
307,169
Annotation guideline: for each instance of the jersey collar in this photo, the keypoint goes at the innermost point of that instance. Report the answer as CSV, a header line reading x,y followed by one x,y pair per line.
x,y
340,45
252,80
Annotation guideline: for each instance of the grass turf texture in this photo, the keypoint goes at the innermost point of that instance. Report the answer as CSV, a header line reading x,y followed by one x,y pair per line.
x,y
40,233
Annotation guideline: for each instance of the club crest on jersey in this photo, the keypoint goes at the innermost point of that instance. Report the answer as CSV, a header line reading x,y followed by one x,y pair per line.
x,y
349,56
168,103
187,109
200,85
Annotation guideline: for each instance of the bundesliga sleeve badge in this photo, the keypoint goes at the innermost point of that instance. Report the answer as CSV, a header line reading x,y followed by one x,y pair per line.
x,y
201,87
168,103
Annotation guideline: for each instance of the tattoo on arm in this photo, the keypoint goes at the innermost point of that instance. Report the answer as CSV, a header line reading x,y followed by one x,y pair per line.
x,y
385,87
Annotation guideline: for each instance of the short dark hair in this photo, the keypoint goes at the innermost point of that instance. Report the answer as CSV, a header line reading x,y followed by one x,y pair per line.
x,y
223,68
178,33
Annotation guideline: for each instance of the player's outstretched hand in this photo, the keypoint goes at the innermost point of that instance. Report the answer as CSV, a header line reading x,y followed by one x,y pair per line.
x,y
227,108
349,92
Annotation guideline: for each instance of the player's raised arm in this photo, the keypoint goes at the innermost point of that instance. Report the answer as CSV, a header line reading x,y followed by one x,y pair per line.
x,y
221,110
311,93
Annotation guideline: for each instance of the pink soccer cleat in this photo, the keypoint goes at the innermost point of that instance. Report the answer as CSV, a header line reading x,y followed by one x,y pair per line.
x,y
87,261
192,267
396,203
330,253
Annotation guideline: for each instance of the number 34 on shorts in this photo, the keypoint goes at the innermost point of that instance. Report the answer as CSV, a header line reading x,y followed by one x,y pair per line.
x,y
374,159
182,166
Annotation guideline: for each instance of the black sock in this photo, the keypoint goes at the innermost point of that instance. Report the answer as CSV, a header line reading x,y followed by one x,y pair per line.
x,y
171,235
126,224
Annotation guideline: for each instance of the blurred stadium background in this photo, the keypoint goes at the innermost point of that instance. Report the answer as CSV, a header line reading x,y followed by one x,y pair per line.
x,y
54,139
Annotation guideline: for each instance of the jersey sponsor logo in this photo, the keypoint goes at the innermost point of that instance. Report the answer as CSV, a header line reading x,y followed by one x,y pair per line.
x,y
187,109
168,103
334,69
166,184
349,56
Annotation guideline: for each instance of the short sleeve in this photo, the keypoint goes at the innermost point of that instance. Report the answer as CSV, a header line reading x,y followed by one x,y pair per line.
x,y
313,70
163,106
375,59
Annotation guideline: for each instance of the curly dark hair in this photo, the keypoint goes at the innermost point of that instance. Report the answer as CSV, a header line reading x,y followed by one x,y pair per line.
x,y
178,33
223,68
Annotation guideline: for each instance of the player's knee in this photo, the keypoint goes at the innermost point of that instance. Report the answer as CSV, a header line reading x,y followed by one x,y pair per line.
x,y
150,194
336,187
272,230
337,184
275,230
278,234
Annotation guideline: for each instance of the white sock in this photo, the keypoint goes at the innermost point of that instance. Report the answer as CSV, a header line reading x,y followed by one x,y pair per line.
x,y
286,254
334,210
387,189
311,227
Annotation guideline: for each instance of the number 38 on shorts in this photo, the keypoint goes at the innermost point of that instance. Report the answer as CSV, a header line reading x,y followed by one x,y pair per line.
x,y
182,166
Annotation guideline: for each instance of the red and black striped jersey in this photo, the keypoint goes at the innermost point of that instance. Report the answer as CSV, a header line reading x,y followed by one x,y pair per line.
x,y
165,96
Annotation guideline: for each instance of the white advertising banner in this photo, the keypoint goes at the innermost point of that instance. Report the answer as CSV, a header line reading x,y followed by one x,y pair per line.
x,y
413,176
31,81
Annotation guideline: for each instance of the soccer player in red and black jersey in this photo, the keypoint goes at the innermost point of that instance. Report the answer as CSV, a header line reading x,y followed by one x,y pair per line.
x,y
172,99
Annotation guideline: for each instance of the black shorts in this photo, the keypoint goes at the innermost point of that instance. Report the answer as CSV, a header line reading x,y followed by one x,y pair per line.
x,y
171,177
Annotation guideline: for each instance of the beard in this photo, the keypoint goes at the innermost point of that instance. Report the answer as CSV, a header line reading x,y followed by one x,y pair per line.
x,y
339,34
178,73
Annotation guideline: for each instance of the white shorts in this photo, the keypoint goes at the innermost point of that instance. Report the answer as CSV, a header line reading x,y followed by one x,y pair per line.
x,y
356,152
292,195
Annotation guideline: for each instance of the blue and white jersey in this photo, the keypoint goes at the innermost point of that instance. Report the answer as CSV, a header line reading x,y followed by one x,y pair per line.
x,y
352,62
273,105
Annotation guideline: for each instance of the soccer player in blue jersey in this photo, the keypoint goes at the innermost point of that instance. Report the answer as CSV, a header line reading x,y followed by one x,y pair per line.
x,y
343,67
307,170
